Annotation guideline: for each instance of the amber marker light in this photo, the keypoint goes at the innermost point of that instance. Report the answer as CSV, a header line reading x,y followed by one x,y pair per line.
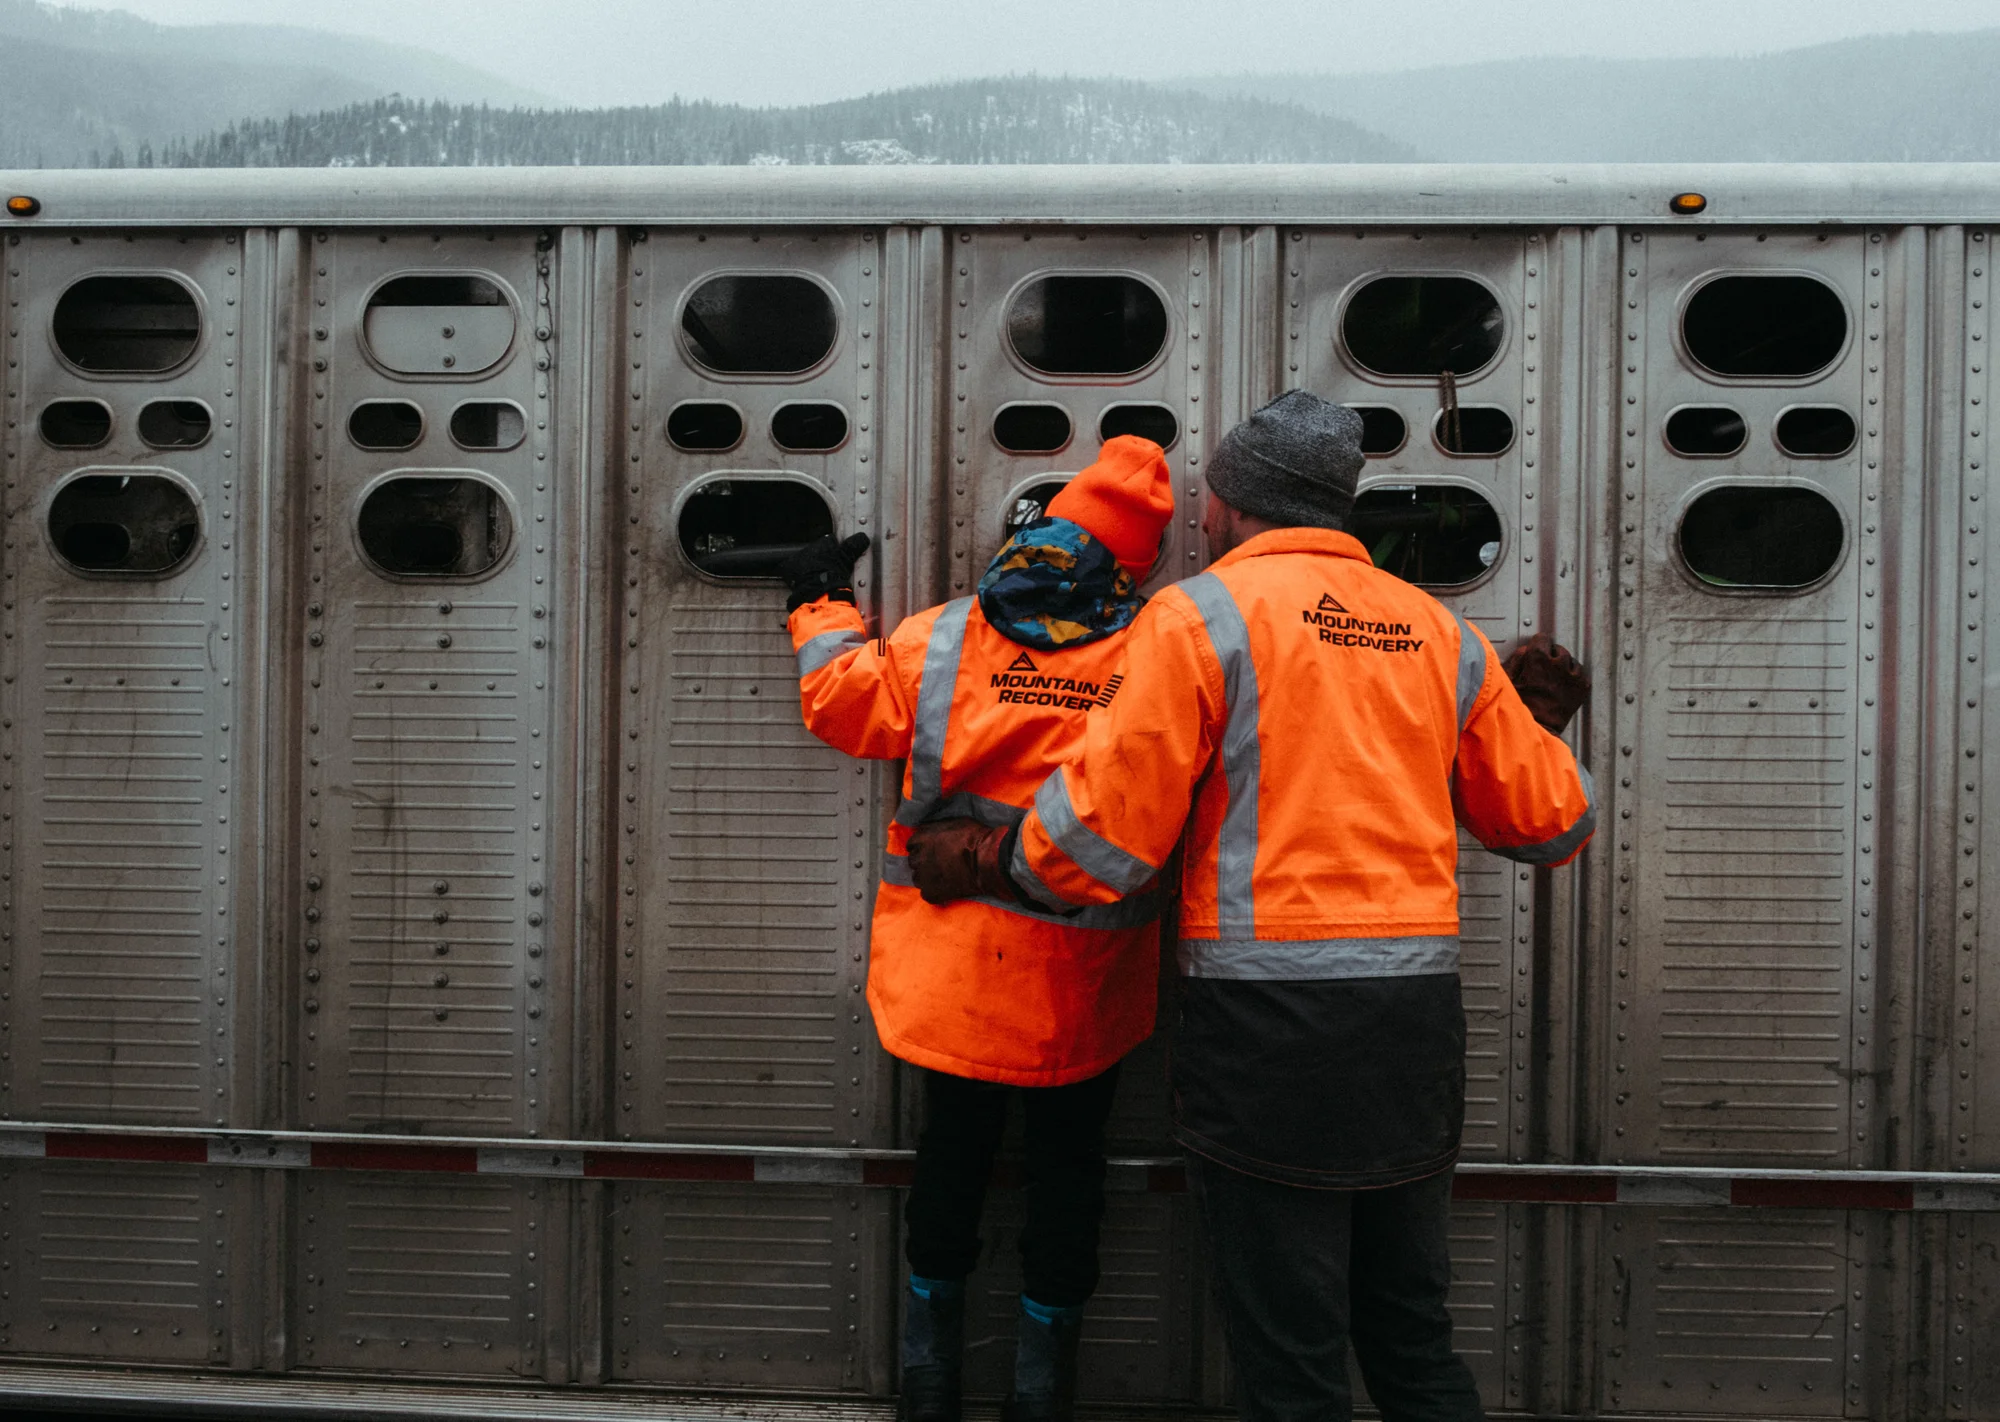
x,y
1687,204
23,206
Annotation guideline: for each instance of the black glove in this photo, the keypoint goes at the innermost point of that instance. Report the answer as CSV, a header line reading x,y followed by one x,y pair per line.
x,y
962,859
822,568
1552,683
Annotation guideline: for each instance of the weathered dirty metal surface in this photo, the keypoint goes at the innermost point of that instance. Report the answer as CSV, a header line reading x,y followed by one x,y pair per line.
x,y
495,935
422,980
124,699
1746,801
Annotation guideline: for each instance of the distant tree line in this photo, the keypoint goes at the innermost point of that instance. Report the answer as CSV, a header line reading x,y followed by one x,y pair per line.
x,y
1015,120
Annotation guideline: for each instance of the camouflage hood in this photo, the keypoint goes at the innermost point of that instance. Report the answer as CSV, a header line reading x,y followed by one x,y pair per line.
x,y
1054,585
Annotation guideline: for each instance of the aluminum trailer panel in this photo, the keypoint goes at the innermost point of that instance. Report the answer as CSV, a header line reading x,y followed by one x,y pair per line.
x,y
431,950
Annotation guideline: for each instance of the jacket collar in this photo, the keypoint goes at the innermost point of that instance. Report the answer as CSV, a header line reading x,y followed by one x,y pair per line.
x,y
1325,541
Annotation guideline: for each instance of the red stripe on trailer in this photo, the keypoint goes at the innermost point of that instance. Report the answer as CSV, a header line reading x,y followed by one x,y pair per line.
x,y
358,1155
176,1150
633,1165
1823,1194
1537,1189
888,1172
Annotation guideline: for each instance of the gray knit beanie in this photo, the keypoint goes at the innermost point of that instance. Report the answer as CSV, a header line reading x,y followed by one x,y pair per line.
x,y
1294,462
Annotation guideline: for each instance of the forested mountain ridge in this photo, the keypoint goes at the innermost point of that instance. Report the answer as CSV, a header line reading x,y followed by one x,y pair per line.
x,y
1882,98
107,88
88,87
1013,120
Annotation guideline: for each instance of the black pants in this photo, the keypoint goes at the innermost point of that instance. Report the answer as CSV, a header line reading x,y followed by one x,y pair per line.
x,y
963,1122
1301,1272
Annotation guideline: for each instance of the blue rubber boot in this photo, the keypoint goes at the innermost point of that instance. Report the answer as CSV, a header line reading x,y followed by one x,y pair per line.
x,y
933,1350
1044,1364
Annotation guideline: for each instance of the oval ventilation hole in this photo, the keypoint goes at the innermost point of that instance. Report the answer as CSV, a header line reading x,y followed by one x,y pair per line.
x,y
1087,325
488,425
1157,423
1761,537
809,428
1438,535
1031,429
746,528
1815,431
1383,429
385,424
1703,431
705,426
1030,504
423,526
175,424
758,325
140,524
1423,326
1481,431
76,424
1775,327
127,325
439,325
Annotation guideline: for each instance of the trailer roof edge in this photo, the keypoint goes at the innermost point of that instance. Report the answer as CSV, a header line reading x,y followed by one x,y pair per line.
x,y
1430,195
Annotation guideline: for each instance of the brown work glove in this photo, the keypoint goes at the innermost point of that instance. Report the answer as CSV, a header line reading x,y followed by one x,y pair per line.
x,y
1552,682
961,859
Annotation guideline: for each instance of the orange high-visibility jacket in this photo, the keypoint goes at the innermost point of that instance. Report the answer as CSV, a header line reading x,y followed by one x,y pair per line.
x,y
980,988
1321,728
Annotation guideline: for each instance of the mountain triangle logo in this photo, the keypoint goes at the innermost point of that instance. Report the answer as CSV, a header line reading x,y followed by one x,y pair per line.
x,y
1022,663
1327,603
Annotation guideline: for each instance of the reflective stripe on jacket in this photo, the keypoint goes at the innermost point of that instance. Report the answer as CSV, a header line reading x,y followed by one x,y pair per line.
x,y
1321,728
981,988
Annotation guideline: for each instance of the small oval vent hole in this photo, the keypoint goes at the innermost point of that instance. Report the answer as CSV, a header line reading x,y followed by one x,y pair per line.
x,y
418,526
127,325
1383,429
1438,535
1482,431
746,528
705,426
76,424
809,428
1030,504
385,424
1087,325
175,424
1815,432
488,425
1031,429
1765,326
1705,431
1423,326
1761,537
140,524
758,325
1157,423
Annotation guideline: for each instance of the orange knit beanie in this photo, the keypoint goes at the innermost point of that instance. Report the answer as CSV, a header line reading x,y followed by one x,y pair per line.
x,y
1124,500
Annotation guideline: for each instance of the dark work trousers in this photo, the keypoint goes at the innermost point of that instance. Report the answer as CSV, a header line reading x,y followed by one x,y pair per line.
x,y
1300,1272
963,1122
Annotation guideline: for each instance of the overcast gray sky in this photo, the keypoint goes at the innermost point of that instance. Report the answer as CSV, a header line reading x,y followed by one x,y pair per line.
x,y
790,51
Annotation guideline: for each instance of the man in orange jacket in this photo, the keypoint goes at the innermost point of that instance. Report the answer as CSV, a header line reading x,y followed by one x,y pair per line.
x,y
996,997
1319,730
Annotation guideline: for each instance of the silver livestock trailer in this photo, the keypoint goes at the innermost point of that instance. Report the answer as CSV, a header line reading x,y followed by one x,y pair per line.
x,y
431,950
